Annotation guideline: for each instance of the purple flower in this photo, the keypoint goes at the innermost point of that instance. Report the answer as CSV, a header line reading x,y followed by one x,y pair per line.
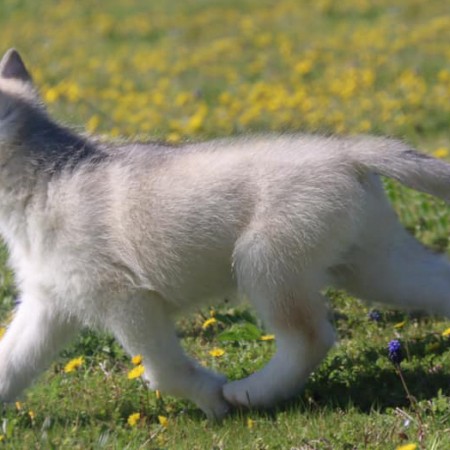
x,y
374,315
395,353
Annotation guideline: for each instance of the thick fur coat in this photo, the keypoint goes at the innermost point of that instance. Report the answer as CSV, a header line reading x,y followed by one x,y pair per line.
x,y
125,236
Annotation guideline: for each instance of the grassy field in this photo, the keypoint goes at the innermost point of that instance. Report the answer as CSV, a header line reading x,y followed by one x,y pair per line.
x,y
195,69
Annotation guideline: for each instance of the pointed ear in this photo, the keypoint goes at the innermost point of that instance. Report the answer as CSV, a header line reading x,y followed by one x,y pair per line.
x,y
12,66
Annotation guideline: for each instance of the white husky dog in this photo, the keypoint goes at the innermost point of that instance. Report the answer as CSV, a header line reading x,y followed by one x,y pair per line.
x,y
125,236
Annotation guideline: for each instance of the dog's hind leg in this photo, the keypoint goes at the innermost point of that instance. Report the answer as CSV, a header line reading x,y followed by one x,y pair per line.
x,y
292,308
388,265
400,272
303,337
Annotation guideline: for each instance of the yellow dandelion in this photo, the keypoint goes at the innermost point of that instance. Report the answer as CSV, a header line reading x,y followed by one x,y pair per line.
x,y
443,75
364,125
51,95
217,352
158,394
267,337
114,132
183,98
136,372
133,419
225,98
209,322
250,423
136,360
73,92
303,67
441,152
31,414
164,421
18,406
195,122
73,364
446,332
407,447
173,137
400,325
93,123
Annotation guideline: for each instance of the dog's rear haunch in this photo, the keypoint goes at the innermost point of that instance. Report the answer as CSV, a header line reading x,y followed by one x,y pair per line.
x,y
123,236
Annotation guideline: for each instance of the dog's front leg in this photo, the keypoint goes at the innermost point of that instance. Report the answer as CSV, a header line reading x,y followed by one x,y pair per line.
x,y
143,326
35,335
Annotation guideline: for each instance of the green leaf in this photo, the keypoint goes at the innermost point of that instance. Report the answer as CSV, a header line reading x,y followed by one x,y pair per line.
x,y
241,332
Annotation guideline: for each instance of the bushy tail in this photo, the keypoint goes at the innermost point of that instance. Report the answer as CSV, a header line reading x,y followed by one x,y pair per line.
x,y
394,159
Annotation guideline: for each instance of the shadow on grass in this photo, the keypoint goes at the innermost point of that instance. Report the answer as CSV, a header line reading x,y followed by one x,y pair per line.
x,y
360,384
366,394
370,391
366,385
341,382
378,391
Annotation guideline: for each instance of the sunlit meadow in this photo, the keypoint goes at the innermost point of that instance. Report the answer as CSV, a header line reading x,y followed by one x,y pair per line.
x,y
196,69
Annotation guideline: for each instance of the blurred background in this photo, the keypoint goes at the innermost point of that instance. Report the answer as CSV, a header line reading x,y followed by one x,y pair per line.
x,y
194,69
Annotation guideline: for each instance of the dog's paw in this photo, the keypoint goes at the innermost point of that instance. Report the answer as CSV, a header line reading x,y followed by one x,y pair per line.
x,y
216,412
211,400
251,392
239,394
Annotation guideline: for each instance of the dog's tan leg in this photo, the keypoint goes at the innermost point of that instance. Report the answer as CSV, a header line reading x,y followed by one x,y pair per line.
x,y
303,337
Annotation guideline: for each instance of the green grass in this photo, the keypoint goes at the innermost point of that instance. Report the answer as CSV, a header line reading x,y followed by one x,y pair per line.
x,y
187,70
354,400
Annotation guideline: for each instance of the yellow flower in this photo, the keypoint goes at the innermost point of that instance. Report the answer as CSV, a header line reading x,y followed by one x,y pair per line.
x,y
441,152
217,352
73,92
2,331
173,137
2,437
207,323
303,67
267,337
196,121
446,332
93,123
136,372
136,360
18,406
400,324
114,132
73,364
443,75
51,95
164,421
31,414
407,447
250,423
133,419
158,394
364,125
